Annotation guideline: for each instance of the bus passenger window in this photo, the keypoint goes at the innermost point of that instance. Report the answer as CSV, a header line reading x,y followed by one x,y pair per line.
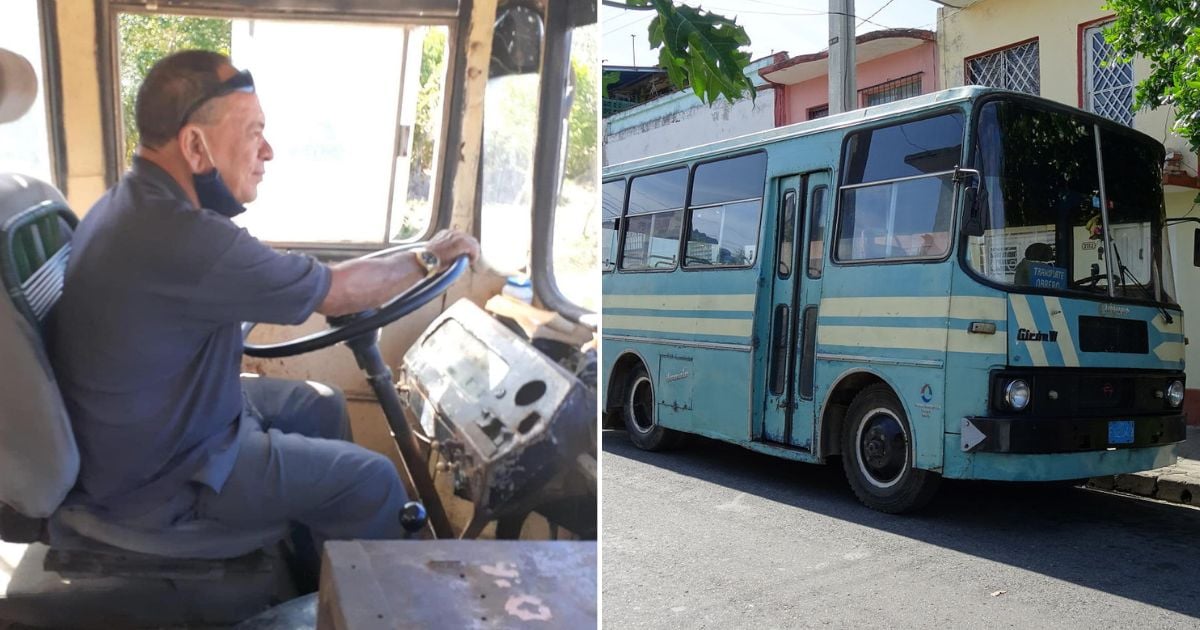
x,y
816,232
897,193
654,220
613,203
725,208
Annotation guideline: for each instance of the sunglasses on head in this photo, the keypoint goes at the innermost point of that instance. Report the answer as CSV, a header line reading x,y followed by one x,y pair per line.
x,y
240,82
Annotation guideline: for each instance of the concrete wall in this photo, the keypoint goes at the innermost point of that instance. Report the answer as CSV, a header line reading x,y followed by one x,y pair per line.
x,y
923,58
992,24
679,120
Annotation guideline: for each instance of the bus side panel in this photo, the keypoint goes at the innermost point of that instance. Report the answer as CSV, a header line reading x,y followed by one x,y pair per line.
x,y
890,320
694,331
971,359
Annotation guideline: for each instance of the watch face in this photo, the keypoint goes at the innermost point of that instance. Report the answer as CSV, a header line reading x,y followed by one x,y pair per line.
x,y
429,259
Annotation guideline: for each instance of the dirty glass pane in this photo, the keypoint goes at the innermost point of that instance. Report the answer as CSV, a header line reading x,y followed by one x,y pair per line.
x,y
723,236
659,191
652,240
729,180
921,147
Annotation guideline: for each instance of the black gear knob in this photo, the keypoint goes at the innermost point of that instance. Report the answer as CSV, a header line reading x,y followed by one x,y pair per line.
x,y
413,517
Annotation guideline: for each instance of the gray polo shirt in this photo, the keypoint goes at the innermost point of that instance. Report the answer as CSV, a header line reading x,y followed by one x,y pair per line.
x,y
146,340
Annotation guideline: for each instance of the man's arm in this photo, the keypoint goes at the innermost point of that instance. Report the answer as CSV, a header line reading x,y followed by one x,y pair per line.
x,y
358,285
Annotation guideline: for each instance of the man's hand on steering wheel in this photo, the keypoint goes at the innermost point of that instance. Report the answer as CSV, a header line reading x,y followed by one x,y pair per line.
x,y
370,292
450,244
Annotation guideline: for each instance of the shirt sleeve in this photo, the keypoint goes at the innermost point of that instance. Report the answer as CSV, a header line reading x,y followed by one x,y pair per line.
x,y
253,282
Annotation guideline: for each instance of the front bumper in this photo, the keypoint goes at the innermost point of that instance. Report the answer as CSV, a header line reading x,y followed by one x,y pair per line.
x,y
1068,435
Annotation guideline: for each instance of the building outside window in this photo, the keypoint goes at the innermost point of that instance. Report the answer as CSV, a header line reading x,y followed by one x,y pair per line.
x,y
1107,83
889,91
819,111
1016,67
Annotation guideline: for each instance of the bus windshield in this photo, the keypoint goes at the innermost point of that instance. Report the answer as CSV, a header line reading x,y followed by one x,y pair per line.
x,y
1040,197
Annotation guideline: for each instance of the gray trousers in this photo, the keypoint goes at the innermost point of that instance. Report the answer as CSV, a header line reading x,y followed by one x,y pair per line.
x,y
298,466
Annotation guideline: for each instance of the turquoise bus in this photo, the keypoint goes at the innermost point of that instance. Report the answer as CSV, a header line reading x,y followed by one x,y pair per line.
x,y
970,284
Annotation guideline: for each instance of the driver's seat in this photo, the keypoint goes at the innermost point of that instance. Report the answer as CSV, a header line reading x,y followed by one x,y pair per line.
x,y
39,459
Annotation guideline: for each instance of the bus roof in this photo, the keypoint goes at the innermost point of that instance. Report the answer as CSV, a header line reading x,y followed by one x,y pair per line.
x,y
854,117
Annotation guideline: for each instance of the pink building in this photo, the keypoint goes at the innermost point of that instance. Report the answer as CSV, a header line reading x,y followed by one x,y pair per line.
x,y
892,64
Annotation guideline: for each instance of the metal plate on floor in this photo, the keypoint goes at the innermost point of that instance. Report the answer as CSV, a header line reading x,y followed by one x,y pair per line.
x,y
457,584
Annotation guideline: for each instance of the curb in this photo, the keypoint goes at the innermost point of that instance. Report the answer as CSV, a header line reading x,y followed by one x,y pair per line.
x,y
1165,484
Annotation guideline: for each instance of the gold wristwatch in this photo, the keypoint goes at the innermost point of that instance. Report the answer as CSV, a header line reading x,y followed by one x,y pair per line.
x,y
428,260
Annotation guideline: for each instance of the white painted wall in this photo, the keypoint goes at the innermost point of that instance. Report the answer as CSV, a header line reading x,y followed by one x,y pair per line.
x,y
656,127
679,120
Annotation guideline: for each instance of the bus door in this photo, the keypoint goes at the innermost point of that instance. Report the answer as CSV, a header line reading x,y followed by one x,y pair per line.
x,y
788,411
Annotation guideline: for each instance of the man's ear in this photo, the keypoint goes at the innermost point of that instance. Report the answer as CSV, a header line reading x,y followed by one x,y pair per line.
x,y
192,148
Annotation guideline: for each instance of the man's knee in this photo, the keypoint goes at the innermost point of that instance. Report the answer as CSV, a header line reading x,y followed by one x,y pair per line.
x,y
329,406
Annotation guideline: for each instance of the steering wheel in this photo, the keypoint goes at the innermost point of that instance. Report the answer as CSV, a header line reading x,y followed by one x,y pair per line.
x,y
349,326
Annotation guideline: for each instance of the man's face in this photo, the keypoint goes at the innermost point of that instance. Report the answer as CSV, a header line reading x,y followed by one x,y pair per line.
x,y
237,144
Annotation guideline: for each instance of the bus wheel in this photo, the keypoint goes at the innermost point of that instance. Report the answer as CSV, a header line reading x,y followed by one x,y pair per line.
x,y
877,454
640,418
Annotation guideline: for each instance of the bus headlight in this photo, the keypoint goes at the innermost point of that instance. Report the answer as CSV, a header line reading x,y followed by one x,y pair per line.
x,y
1175,393
1016,394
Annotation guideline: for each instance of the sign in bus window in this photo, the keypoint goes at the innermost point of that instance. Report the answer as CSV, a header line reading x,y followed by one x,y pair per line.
x,y
723,236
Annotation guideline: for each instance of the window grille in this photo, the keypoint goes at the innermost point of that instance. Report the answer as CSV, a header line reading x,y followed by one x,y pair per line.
x,y
893,90
1014,68
1108,84
819,111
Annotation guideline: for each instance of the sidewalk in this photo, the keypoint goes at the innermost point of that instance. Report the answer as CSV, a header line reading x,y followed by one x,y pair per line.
x,y
1178,484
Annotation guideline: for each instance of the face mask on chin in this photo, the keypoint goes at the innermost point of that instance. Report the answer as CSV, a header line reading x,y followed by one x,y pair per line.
x,y
212,191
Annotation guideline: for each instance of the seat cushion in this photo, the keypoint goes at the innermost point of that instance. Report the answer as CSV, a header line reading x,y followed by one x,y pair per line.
x,y
77,527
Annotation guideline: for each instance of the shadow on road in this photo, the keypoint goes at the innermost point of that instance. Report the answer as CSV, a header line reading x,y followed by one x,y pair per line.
x,y
1132,548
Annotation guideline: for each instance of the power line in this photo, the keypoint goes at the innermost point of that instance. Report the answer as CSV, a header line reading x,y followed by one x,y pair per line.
x,y
868,18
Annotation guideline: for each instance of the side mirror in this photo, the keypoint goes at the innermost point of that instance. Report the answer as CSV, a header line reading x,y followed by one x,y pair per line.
x,y
972,221
971,211
1196,248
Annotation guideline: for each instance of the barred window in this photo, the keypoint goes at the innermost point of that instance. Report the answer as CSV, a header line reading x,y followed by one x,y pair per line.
x,y
1107,83
889,91
1013,68
819,111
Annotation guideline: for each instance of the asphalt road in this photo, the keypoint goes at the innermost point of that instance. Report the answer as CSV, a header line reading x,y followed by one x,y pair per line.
x,y
715,536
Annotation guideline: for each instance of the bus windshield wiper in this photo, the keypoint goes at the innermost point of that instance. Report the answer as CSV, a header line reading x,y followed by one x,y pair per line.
x,y
1125,272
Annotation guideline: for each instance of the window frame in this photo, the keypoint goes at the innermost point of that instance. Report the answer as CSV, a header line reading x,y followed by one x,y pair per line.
x,y
836,207
987,53
363,12
1084,68
620,219
687,193
688,208
915,78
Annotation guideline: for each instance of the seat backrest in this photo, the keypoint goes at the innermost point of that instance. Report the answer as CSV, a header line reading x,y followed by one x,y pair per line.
x,y
39,459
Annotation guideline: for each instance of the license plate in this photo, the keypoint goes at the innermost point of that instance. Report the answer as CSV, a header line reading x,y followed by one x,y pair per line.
x,y
1120,432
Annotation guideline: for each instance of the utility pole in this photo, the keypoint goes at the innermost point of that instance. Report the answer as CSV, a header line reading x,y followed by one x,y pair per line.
x,y
842,81
633,47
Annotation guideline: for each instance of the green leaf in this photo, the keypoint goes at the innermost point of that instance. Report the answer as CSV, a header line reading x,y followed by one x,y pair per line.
x,y
700,49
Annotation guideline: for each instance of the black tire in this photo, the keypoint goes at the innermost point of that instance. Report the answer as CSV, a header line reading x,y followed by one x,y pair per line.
x,y
877,454
640,412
